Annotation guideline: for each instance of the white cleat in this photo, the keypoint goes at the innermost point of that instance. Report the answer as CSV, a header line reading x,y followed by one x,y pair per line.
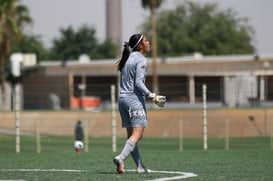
x,y
142,170
120,165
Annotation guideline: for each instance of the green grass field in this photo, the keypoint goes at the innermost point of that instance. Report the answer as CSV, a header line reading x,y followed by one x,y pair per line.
x,y
249,159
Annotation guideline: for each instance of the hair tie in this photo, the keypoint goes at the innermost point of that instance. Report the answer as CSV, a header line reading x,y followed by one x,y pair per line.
x,y
126,44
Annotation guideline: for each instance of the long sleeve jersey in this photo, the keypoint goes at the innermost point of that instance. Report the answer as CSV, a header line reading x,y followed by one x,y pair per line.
x,y
133,74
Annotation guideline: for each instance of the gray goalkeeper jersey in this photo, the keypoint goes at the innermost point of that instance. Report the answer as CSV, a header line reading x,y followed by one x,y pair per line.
x,y
133,74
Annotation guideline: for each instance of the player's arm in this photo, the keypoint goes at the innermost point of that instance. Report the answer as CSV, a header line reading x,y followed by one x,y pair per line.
x,y
140,73
139,78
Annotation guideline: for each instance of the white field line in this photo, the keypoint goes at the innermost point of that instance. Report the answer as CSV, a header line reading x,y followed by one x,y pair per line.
x,y
41,170
179,175
12,180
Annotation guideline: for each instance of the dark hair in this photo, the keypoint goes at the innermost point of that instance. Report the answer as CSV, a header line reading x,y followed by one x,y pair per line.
x,y
132,44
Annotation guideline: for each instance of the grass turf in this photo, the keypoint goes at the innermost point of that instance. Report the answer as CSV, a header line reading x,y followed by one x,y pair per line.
x,y
249,159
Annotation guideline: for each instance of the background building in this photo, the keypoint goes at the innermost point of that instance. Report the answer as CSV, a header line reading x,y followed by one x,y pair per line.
x,y
231,81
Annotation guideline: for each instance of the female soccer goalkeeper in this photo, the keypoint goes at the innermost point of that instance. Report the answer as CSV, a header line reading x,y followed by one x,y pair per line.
x,y
132,108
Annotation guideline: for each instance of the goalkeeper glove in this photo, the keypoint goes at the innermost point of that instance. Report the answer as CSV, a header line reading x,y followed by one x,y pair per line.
x,y
158,99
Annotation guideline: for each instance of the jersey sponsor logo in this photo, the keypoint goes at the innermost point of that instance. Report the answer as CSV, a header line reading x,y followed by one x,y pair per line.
x,y
136,113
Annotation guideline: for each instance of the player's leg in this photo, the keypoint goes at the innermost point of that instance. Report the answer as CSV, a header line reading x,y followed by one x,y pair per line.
x,y
136,155
129,147
138,161
131,142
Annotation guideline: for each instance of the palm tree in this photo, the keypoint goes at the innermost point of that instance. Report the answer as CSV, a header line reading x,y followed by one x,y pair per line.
x,y
153,5
12,19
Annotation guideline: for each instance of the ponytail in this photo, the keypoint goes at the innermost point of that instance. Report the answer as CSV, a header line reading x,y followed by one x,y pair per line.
x,y
125,55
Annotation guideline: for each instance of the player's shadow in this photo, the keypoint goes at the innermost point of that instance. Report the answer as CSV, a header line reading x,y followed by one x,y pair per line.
x,y
115,173
107,173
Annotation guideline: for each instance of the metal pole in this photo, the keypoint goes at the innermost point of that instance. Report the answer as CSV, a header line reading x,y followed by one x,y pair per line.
x,y
266,65
181,134
227,134
38,137
86,135
205,139
271,138
113,100
17,117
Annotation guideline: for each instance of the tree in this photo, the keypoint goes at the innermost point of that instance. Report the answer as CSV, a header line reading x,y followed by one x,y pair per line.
x,y
106,49
12,18
73,43
32,44
192,27
152,5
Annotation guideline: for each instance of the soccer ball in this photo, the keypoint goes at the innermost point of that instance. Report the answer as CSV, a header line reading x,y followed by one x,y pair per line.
x,y
78,145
